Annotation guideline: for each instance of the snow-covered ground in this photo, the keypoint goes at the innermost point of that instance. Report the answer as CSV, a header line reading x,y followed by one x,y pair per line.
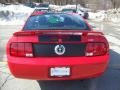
x,y
98,16
111,15
59,8
14,14
115,43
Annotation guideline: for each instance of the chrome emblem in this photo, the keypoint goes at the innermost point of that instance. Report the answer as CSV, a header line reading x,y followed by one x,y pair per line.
x,y
59,49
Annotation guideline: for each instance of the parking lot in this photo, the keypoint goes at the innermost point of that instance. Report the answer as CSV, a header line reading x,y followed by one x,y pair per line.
x,y
108,81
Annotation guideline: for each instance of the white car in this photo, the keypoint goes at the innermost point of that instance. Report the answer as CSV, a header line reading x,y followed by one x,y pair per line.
x,y
42,9
84,14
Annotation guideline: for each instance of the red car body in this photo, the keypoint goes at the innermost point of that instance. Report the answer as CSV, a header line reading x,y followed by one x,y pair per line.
x,y
25,62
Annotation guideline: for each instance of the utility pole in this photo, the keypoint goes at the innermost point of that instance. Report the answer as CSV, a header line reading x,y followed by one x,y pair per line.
x,y
76,4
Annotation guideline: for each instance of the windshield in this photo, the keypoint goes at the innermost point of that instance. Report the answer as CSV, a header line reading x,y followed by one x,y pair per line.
x,y
56,22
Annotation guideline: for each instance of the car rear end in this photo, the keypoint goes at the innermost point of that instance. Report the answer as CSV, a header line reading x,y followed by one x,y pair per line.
x,y
57,54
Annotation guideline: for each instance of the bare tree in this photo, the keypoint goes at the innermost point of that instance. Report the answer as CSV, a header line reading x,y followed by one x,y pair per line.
x,y
115,3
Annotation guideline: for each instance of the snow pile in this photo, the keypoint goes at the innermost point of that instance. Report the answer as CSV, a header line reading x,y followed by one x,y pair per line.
x,y
56,7
16,8
14,14
98,16
112,15
1,5
69,6
59,8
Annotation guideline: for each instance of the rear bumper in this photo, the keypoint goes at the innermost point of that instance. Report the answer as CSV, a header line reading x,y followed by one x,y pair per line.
x,y
39,68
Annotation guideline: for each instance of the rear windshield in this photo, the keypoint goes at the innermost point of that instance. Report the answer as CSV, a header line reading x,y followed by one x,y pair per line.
x,y
56,22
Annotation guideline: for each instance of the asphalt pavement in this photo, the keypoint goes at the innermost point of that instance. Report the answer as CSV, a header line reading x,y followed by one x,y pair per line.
x,y
110,80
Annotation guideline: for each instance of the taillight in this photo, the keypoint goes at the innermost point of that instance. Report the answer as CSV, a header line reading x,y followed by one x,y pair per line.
x,y
21,49
96,49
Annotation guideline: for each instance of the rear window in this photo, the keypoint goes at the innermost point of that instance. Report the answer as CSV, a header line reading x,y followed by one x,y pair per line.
x,y
56,22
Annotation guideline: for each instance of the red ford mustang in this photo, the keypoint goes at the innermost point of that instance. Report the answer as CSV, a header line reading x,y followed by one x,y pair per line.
x,y
57,46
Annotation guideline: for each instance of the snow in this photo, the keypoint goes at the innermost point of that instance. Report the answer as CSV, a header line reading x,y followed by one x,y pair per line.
x,y
115,41
16,8
59,8
17,14
12,22
98,16
116,48
56,7
111,15
71,6
14,14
